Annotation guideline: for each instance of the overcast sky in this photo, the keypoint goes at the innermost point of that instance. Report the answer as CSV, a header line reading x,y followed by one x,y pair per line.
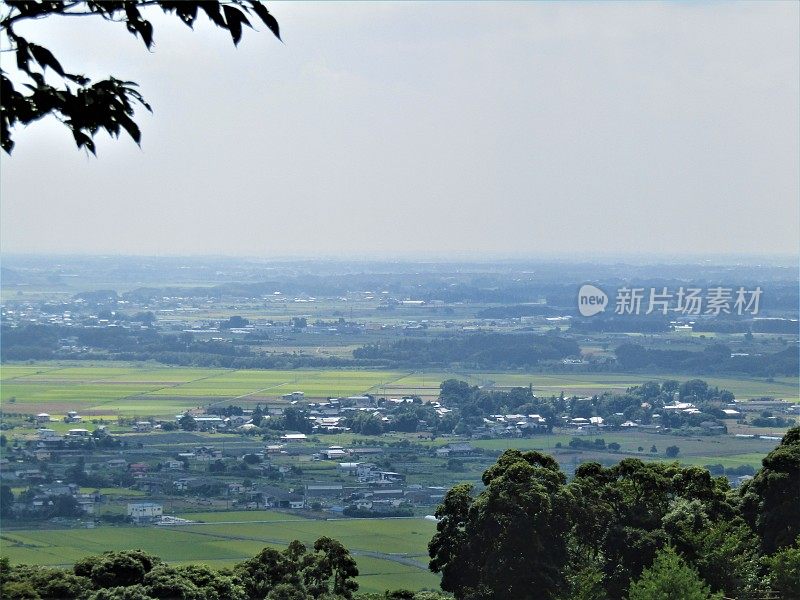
x,y
447,129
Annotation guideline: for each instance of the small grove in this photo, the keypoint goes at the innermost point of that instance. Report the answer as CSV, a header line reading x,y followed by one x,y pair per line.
x,y
636,530
325,571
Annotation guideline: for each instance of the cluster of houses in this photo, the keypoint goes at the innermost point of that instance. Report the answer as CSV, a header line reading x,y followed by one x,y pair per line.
x,y
371,488
327,416
511,425
49,441
71,417
362,478
43,496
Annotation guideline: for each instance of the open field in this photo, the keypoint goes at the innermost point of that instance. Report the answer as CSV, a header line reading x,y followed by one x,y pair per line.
x,y
101,390
587,384
391,553
729,451
116,389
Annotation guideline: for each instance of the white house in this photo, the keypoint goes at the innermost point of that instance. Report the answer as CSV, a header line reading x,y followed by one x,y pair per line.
x,y
72,417
142,512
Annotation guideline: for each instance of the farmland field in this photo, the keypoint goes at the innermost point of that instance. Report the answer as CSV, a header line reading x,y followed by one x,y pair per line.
x,y
391,553
123,389
104,390
587,384
729,451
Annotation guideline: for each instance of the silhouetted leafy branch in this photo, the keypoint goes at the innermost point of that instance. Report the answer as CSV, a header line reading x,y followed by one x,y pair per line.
x,y
82,106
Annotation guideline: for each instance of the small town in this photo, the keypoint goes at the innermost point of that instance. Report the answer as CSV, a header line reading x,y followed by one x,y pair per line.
x,y
394,456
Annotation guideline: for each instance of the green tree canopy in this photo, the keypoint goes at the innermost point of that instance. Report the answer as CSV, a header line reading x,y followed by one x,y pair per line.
x,y
670,578
511,538
116,569
771,499
626,513
784,569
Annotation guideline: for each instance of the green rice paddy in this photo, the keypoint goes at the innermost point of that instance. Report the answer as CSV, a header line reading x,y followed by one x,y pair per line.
x,y
391,553
120,389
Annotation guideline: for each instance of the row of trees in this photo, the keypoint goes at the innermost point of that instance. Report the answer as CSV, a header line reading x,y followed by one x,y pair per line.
x,y
632,530
297,573
713,359
478,350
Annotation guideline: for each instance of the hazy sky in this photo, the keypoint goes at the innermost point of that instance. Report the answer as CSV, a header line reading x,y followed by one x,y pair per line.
x,y
444,128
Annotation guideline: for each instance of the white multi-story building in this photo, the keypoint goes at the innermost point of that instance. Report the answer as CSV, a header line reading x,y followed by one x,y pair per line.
x,y
145,511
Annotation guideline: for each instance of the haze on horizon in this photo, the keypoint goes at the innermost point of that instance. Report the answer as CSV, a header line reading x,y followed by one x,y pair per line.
x,y
411,129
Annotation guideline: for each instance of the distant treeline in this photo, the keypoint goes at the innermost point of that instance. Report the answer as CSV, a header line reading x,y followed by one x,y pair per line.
x,y
481,288
479,351
48,342
714,359
789,326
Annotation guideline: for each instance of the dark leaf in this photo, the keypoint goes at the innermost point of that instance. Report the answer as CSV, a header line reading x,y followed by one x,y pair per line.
x,y
38,78
45,58
265,16
83,140
186,11
131,127
138,25
146,31
235,18
23,56
6,87
131,12
212,10
79,79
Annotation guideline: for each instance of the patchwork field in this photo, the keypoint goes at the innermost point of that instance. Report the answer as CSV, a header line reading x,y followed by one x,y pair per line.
x,y
101,390
391,553
110,390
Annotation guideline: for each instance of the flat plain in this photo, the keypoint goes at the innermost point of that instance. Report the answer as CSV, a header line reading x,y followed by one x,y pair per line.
x,y
391,553
123,389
